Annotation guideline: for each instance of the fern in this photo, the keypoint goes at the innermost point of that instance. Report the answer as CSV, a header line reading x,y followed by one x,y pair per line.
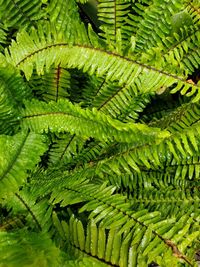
x,y
99,133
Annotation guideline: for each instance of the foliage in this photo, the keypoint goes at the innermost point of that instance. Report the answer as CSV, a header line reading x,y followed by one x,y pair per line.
x,y
99,133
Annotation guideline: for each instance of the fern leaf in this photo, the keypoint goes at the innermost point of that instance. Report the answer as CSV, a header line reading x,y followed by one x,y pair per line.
x,y
112,65
142,223
13,91
71,118
21,248
21,13
52,85
112,17
65,148
19,153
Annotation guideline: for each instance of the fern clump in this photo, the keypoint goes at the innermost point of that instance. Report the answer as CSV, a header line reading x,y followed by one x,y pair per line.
x,y
99,133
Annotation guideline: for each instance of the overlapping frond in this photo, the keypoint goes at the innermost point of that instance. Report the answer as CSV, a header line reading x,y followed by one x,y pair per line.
x,y
116,68
64,116
23,248
65,148
37,213
52,85
100,130
133,157
13,91
126,226
134,17
18,154
56,12
3,36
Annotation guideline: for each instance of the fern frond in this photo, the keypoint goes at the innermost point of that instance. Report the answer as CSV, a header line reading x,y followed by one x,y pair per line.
x,y
18,154
72,118
12,92
14,81
134,17
57,11
52,85
45,182
23,248
130,157
19,13
118,102
100,133
184,54
127,226
128,72
8,110
112,16
182,117
38,212
3,36
171,173
65,148
174,24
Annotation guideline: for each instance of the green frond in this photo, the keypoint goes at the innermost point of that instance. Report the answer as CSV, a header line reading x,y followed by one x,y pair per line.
x,y
18,154
14,82
184,54
52,85
178,22
3,36
19,13
128,72
131,157
177,45
112,16
23,248
160,106
134,17
37,213
13,90
99,133
8,110
44,182
182,117
124,225
57,10
171,202
64,148
72,118
114,100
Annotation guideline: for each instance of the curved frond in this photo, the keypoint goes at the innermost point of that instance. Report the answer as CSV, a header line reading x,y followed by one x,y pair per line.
x,y
36,212
38,116
127,71
64,148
